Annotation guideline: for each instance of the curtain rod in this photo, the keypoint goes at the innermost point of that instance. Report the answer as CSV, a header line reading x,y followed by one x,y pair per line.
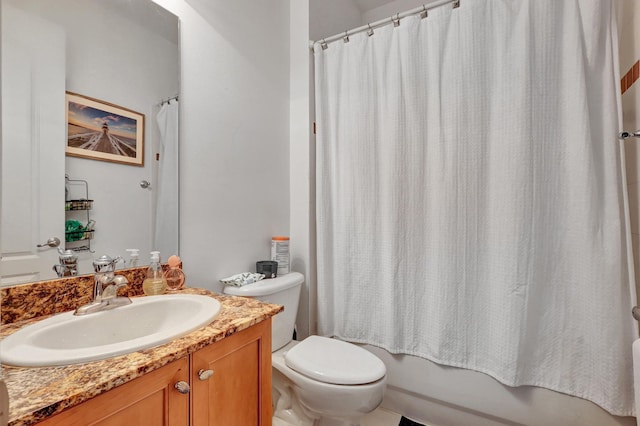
x,y
626,135
168,100
422,11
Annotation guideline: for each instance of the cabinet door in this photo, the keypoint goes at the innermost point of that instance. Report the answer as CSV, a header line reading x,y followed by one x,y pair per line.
x,y
239,391
147,400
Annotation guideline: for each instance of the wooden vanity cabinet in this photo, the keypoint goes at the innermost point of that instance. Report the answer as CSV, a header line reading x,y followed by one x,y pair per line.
x,y
231,380
148,400
230,384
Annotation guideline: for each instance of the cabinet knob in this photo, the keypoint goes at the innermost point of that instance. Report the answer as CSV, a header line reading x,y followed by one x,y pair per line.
x,y
205,374
182,387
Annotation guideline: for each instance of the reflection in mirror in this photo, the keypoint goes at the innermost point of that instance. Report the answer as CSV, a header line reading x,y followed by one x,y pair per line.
x,y
120,52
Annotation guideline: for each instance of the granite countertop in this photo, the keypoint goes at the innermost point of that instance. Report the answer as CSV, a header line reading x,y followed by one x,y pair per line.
x,y
38,393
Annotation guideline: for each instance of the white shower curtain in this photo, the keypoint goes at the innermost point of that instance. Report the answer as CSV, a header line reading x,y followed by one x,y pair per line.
x,y
166,228
470,208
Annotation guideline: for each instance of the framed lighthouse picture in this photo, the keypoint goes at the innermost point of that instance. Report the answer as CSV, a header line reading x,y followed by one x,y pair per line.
x,y
102,131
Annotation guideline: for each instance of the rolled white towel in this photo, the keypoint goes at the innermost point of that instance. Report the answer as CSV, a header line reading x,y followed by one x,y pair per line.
x,y
244,278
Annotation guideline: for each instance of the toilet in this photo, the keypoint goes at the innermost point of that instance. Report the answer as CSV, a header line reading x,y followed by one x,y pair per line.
x,y
319,380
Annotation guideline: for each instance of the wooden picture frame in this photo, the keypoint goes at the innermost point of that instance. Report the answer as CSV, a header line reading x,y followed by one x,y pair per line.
x,y
102,131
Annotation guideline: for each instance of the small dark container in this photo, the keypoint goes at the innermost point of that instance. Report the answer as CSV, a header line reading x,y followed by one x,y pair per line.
x,y
267,267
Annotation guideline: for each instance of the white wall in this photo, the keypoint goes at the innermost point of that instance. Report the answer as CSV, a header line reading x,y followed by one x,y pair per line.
x,y
234,134
302,160
331,17
391,8
116,60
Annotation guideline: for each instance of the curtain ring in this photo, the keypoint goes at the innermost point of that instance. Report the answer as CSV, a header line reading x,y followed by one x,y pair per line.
x,y
323,44
396,21
346,37
456,4
370,30
424,12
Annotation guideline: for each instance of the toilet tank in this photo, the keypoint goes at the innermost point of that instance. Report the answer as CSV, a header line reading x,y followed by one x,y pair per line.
x,y
283,290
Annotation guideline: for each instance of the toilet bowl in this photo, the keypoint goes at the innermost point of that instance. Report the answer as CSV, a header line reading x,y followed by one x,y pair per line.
x,y
314,384
318,380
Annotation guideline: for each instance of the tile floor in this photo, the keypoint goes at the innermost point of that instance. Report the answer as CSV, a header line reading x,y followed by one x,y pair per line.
x,y
381,417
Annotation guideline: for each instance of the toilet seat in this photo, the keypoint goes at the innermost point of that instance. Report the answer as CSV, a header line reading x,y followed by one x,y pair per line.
x,y
334,361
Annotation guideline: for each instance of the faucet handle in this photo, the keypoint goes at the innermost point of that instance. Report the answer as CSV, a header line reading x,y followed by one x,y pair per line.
x,y
112,285
120,281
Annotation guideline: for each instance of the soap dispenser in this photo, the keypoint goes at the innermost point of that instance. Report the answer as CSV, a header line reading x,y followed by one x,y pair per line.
x,y
134,257
155,282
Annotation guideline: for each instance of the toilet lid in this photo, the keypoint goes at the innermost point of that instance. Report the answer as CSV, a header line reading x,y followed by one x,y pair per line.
x,y
334,361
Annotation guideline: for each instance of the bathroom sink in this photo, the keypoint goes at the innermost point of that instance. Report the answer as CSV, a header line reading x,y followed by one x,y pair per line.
x,y
147,322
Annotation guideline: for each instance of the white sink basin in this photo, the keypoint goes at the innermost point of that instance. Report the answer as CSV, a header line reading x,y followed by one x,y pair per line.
x,y
147,322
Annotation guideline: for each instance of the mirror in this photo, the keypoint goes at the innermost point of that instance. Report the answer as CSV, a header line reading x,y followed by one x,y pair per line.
x,y
123,53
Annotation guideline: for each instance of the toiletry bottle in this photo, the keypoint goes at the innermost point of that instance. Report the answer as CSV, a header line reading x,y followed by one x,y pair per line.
x,y
280,253
154,283
175,277
134,257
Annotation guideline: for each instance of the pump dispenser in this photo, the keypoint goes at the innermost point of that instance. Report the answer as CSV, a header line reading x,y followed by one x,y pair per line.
x,y
155,283
134,257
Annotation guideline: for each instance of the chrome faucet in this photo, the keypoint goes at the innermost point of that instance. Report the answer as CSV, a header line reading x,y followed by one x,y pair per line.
x,y
68,266
106,285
